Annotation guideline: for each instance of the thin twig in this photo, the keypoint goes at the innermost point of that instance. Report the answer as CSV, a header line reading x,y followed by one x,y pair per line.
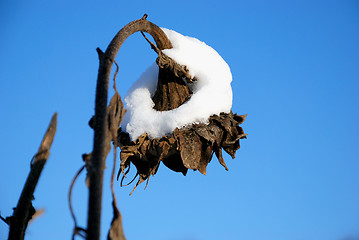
x,y
4,219
153,46
75,231
24,209
114,78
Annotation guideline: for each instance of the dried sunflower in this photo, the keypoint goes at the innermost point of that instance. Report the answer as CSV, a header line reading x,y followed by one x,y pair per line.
x,y
161,125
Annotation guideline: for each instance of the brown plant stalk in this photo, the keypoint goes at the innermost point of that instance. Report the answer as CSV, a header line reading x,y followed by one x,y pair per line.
x,y
101,126
24,209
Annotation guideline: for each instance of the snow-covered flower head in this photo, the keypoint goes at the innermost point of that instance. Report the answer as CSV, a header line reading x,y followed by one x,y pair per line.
x,y
212,92
182,134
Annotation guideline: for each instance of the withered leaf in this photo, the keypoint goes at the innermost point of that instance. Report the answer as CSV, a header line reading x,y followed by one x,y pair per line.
x,y
116,230
191,147
115,113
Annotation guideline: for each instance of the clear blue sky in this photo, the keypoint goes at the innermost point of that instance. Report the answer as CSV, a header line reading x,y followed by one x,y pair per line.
x,y
295,67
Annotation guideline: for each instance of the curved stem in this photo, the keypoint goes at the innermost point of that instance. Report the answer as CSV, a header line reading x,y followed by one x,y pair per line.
x,y
142,25
99,154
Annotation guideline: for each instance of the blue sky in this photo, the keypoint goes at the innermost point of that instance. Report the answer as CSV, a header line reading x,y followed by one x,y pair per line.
x,y
295,67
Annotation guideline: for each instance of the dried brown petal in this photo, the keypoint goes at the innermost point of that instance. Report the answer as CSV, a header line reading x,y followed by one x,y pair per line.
x,y
191,147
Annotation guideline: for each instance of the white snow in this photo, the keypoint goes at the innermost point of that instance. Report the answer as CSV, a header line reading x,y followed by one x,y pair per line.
x,y
212,92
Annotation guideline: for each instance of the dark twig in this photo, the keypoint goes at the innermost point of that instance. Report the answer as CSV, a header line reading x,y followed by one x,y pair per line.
x,y
76,228
114,77
4,219
24,209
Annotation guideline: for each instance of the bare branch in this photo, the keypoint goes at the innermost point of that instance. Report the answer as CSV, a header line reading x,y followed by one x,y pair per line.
x,y
24,209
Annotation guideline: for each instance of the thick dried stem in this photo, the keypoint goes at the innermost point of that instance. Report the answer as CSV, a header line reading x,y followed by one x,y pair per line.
x,y
97,163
